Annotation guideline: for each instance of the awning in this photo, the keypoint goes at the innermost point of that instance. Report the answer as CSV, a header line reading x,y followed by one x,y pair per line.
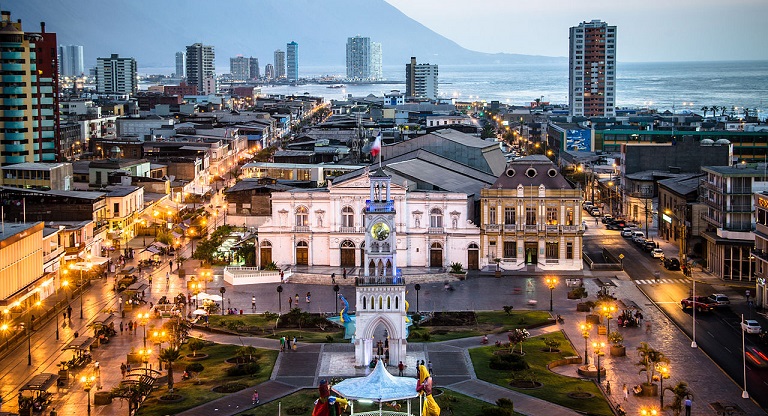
x,y
160,245
103,320
83,342
98,260
153,250
137,287
41,382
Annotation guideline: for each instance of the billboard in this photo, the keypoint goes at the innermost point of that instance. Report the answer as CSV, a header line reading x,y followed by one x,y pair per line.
x,y
579,140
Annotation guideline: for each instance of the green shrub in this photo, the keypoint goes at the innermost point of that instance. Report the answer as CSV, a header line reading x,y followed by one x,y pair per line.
x,y
508,309
496,411
505,403
456,267
194,368
511,362
328,338
243,369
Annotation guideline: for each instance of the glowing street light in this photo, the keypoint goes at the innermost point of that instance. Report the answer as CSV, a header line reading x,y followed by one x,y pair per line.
x,y
551,283
87,385
585,328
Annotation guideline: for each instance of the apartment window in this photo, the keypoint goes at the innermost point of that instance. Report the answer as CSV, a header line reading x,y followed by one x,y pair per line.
x,y
509,215
302,217
530,215
492,215
436,218
552,250
347,217
510,248
551,216
569,251
116,209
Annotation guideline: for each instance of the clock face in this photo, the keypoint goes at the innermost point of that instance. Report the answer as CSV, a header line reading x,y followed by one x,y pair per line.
x,y
380,231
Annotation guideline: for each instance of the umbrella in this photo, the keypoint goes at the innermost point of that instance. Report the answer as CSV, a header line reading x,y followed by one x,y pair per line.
x,y
215,298
199,312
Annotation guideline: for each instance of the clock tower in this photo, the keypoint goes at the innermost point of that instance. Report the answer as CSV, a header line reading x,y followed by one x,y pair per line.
x,y
380,243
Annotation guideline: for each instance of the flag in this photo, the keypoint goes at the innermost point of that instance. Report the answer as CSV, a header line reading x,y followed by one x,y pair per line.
x,y
376,147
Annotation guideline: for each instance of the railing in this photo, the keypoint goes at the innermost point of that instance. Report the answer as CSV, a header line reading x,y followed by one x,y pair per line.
x,y
531,229
379,206
746,190
435,230
252,275
301,229
759,254
509,227
739,208
351,230
390,412
492,227
552,228
379,281
711,220
570,228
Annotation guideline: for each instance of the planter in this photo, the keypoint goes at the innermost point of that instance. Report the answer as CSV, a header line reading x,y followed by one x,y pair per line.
x,y
460,276
593,319
171,398
525,384
229,388
102,398
618,351
581,395
198,357
583,307
649,390
498,274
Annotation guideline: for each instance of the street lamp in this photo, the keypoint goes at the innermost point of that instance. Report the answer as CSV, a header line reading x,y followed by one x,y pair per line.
x,y
551,283
143,317
585,328
159,337
87,385
279,299
598,347
663,373
144,354
336,297
417,287
222,290
607,311
87,267
648,411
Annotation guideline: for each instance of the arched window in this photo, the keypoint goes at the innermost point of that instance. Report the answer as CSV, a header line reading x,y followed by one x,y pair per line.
x,y
347,217
397,302
436,218
302,217
266,244
389,302
381,303
373,305
365,302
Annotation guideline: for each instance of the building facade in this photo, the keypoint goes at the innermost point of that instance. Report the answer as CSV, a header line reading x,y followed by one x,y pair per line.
x,y
279,64
760,252
359,58
377,73
531,218
57,176
240,68
421,80
181,58
592,69
116,75
292,60
269,71
254,71
200,65
71,61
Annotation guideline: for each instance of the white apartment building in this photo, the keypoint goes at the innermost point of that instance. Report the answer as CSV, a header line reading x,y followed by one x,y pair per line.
x,y
592,69
115,75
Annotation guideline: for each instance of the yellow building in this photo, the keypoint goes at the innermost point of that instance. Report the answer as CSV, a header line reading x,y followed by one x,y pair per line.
x,y
22,281
530,218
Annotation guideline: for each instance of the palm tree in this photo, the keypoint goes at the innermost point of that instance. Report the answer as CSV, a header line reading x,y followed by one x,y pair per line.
x,y
170,355
649,358
681,392
714,109
722,110
705,109
746,112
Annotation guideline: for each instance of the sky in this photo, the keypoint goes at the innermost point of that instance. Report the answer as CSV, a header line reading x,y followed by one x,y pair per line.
x,y
647,30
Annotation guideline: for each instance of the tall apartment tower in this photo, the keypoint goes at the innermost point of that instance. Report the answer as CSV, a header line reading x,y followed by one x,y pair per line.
x,y
592,69
359,58
376,62
200,65
116,75
71,61
421,80
253,65
279,64
28,94
240,68
181,58
269,71
292,59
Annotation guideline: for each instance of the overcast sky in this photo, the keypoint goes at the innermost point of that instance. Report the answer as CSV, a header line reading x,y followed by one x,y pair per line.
x,y
648,30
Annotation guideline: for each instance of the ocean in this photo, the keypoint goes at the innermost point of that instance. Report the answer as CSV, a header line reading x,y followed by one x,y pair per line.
x,y
688,86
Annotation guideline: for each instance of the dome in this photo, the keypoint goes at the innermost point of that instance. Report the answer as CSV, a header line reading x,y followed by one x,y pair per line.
x,y
707,142
723,141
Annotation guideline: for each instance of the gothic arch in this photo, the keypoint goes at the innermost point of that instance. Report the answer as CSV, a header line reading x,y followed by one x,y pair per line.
x,y
370,328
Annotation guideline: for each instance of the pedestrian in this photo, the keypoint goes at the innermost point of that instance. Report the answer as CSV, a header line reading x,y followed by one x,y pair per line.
x,y
121,327
288,344
294,344
344,273
400,368
65,317
170,263
297,300
308,295
333,278
128,368
69,312
290,302
608,387
77,334
688,405
625,390
130,327
429,367
255,398
282,276
282,344
253,303
595,221
150,281
122,369
648,327
53,411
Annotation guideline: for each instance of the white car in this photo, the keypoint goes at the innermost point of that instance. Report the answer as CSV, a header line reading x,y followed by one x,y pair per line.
x,y
627,232
657,253
638,236
751,326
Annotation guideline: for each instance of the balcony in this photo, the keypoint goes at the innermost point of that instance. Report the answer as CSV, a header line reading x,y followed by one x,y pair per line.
x,y
552,229
435,230
379,281
301,229
739,208
350,230
379,206
570,228
531,229
493,227
509,228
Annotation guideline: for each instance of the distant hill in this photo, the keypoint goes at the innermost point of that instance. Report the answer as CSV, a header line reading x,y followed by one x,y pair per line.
x,y
153,31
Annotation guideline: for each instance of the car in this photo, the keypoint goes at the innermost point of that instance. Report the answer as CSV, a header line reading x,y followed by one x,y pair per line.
x,y
607,218
626,232
638,236
671,263
720,298
657,253
595,212
701,303
751,326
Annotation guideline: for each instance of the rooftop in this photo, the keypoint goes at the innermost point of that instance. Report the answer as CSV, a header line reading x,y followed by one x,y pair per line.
x,y
35,166
740,169
11,229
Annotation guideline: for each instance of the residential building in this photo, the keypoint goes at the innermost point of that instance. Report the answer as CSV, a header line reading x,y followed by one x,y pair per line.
x,y
181,58
279,64
71,61
43,176
679,207
180,90
727,192
531,218
292,59
760,252
359,58
116,75
100,170
29,99
592,69
210,86
22,281
200,65
421,80
253,68
377,73
240,68
124,204
269,71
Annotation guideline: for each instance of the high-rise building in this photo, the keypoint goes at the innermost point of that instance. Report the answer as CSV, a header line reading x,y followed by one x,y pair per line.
x,y
116,75
292,57
269,71
253,64
376,62
359,58
29,97
421,80
71,61
200,64
592,69
181,58
240,68
279,64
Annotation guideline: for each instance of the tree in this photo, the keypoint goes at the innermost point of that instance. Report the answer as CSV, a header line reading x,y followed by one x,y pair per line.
x,y
247,252
518,336
681,392
649,358
714,109
704,110
195,344
169,356
508,309
247,352
488,131
722,110
551,343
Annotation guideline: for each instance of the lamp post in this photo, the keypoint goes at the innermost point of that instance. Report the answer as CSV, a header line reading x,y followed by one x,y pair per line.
x,y
87,267
336,297
607,311
598,347
159,337
663,373
87,385
279,299
744,394
145,353
648,411
417,287
143,317
585,328
222,290
551,283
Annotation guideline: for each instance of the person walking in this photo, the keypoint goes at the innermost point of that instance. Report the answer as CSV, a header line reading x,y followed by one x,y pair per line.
x,y
282,344
294,344
625,390
333,278
297,300
288,343
308,296
688,405
255,398
253,303
429,367
122,369
69,312
400,368
121,327
344,273
290,302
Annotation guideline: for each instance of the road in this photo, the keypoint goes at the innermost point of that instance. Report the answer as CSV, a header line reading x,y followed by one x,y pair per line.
x,y
717,333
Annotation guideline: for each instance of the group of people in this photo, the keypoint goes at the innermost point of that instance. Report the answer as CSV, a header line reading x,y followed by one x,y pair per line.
x,y
286,344
627,318
296,298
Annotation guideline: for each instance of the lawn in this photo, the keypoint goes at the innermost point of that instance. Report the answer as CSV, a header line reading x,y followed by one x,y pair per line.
x,y
263,325
556,387
482,323
302,402
214,374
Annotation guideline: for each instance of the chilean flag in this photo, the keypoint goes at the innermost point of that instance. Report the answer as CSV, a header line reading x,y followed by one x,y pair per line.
x,y
376,147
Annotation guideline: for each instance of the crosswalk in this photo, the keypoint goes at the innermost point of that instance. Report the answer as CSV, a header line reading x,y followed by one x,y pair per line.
x,y
662,281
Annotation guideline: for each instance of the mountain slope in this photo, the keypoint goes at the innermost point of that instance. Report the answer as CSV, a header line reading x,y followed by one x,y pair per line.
x,y
152,32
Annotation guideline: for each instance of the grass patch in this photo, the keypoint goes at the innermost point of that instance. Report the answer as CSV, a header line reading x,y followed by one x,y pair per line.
x,y
263,325
556,387
484,323
214,374
450,402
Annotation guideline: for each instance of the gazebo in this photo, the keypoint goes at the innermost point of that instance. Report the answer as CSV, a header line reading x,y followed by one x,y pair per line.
x,y
380,386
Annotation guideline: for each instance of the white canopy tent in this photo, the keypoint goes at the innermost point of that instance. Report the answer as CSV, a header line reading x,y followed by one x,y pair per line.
x,y
380,386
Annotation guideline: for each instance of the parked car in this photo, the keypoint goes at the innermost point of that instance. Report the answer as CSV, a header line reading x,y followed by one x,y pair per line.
x,y
616,225
657,253
721,299
595,212
701,303
627,232
671,263
607,218
751,326
638,236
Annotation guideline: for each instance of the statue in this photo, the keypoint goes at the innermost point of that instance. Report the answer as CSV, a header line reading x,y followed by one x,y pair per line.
x,y
424,387
344,314
328,405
